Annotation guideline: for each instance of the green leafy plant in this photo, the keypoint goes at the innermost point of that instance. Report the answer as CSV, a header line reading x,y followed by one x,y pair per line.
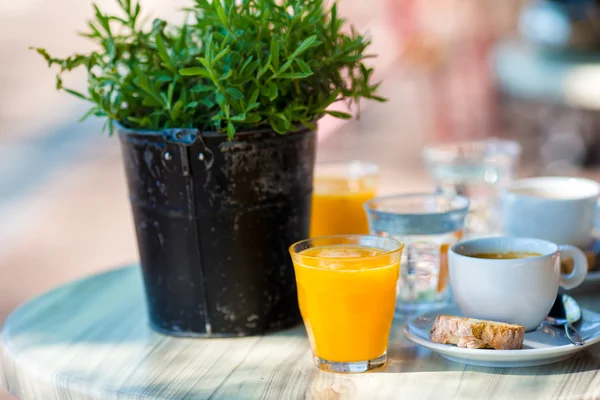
x,y
230,66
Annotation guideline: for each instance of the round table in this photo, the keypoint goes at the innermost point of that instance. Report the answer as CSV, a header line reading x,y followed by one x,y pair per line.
x,y
90,340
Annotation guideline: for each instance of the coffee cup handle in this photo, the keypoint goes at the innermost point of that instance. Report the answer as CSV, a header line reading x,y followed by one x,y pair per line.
x,y
580,267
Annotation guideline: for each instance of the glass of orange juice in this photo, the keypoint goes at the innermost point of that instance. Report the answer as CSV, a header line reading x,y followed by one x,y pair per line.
x,y
339,191
347,295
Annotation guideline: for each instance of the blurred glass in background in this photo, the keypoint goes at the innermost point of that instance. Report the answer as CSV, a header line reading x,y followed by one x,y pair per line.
x,y
478,170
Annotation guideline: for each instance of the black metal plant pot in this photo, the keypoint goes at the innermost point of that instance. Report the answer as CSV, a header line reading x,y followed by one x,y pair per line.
x,y
214,220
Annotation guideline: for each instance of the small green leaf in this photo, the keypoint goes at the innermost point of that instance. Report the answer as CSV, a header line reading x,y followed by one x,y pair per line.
x,y
273,91
158,25
102,20
310,125
89,113
170,92
252,106
165,100
253,119
95,31
209,47
274,56
194,71
285,66
76,94
138,8
250,70
221,100
162,51
177,109
263,71
264,90
338,114
226,75
254,96
230,130
59,83
303,66
306,44
43,53
204,63
150,102
181,43
220,55
235,93
202,88
377,98
238,118
221,13
245,64
279,122
295,75
206,102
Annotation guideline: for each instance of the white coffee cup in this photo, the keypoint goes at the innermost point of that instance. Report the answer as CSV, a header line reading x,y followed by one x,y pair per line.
x,y
518,291
558,209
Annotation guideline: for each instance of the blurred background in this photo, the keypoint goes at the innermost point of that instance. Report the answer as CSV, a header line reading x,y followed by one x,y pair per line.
x,y
452,69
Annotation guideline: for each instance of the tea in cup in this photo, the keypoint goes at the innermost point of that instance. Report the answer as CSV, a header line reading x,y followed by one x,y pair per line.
x,y
558,209
511,279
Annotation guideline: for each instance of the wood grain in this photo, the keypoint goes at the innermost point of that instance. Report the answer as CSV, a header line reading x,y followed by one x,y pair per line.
x,y
90,340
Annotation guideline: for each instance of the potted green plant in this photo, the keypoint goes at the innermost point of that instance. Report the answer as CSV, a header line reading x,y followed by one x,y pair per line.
x,y
216,117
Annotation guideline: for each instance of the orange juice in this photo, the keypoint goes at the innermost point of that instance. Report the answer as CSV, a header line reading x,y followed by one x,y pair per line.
x,y
337,204
347,296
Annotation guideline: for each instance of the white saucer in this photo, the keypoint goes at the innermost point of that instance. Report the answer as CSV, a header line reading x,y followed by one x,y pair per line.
x,y
546,345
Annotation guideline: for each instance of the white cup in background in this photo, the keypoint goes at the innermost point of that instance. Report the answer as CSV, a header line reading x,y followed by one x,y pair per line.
x,y
557,209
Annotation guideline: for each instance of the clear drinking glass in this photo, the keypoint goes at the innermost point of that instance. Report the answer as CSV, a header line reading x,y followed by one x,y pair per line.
x,y
340,189
427,224
346,293
478,170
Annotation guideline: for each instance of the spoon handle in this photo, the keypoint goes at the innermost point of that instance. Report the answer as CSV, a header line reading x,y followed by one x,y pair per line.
x,y
573,335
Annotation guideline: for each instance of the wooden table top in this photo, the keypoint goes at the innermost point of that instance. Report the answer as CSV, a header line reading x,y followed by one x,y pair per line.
x,y
90,340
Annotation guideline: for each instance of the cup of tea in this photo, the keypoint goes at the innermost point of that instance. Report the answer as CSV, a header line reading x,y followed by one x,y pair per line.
x,y
557,209
511,279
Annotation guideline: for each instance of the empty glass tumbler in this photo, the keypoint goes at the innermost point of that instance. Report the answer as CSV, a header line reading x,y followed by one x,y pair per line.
x,y
428,224
479,170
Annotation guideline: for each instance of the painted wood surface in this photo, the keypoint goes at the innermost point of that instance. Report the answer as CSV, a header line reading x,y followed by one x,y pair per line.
x,y
90,340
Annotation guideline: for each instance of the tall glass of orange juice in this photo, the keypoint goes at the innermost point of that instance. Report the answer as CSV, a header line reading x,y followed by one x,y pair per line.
x,y
347,295
340,189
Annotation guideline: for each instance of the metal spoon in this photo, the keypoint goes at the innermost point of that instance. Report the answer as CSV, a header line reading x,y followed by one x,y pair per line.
x,y
566,312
